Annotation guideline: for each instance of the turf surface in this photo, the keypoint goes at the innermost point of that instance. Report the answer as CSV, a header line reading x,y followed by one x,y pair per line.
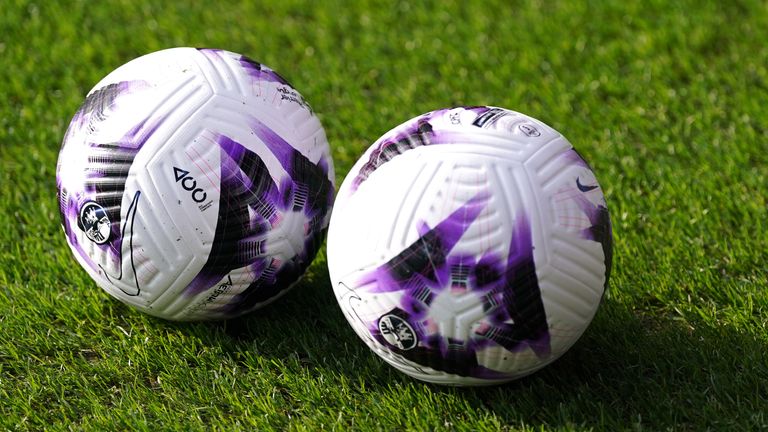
x,y
668,101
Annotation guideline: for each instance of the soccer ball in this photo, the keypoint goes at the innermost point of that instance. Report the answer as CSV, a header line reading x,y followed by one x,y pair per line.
x,y
195,184
470,246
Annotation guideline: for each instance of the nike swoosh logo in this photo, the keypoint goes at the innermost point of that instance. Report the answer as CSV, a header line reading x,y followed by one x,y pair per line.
x,y
584,188
130,216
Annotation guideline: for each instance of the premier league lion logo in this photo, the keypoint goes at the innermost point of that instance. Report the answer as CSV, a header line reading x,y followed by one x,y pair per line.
x,y
94,221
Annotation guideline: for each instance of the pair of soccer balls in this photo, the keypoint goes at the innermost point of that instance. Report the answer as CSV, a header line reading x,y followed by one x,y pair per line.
x,y
467,246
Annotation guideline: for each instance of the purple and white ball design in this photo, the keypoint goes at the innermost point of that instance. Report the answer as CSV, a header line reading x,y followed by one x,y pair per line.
x,y
195,184
470,246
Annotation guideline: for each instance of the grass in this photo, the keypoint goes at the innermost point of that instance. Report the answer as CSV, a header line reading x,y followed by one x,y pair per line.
x,y
667,100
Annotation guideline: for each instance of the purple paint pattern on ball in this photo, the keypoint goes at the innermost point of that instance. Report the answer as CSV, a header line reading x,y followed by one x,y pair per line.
x,y
106,169
416,133
253,68
506,306
600,229
252,204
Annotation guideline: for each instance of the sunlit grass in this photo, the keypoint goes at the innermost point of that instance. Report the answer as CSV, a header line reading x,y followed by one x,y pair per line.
x,y
667,101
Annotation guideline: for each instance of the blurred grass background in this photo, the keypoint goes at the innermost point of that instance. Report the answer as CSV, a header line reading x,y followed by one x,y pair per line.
x,y
667,100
